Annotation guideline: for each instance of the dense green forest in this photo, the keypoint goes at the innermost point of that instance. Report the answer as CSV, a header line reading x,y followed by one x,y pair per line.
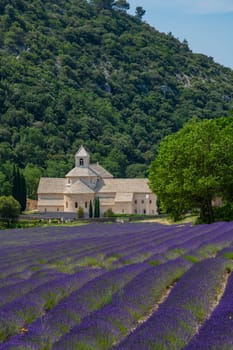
x,y
78,72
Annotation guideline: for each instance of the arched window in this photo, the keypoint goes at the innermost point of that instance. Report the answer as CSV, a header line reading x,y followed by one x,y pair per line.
x,y
81,163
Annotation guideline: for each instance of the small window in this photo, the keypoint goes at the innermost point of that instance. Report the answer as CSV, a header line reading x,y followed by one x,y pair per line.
x,y
66,204
144,211
81,162
142,201
135,211
85,204
57,209
76,204
135,201
150,201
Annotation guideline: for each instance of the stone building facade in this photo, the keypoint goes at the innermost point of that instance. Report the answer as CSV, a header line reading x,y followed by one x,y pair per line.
x,y
87,181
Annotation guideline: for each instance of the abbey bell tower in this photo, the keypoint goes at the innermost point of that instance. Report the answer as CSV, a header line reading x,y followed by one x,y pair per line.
x,y
82,158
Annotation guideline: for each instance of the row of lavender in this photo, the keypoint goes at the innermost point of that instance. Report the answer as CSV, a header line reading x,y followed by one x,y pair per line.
x,y
155,246
89,272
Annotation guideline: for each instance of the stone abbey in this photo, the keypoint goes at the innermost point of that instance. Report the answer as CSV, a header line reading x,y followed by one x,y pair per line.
x,y
87,181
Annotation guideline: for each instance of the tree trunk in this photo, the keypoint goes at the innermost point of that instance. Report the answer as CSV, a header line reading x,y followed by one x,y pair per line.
x,y
206,212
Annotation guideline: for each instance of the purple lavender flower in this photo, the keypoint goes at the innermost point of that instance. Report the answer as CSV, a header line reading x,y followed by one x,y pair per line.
x,y
217,331
131,303
174,324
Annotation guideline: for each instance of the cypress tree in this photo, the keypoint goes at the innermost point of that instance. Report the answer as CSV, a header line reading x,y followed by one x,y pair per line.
x,y
18,183
98,207
90,209
23,193
19,187
95,208
14,183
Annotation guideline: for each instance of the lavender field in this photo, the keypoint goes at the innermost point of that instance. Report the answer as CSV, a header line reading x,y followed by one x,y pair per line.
x,y
131,286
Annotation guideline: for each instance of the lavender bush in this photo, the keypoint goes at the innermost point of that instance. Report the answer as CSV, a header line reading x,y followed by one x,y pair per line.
x,y
217,332
95,285
175,322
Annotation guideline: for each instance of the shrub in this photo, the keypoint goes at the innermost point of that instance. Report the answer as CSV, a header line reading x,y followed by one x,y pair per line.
x,y
80,213
108,213
224,213
9,209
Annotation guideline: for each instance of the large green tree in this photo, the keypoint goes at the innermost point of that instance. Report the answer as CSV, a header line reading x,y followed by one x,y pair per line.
x,y
32,175
88,72
193,166
9,209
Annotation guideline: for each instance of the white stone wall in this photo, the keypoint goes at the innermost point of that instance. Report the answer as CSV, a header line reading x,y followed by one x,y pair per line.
x,y
123,208
73,202
50,202
145,204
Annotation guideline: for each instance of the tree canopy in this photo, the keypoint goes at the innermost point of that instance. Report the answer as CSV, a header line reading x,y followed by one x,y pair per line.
x,y
193,166
9,209
87,72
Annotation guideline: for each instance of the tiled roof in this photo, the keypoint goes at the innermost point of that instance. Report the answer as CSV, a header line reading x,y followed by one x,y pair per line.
x,y
124,186
81,172
100,170
82,152
77,187
124,197
107,185
51,185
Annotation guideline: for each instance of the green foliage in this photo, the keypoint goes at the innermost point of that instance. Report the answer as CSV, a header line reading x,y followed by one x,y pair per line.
x,y
80,212
32,176
140,12
136,171
9,209
89,73
193,166
193,259
19,191
121,5
90,209
108,213
96,207
224,213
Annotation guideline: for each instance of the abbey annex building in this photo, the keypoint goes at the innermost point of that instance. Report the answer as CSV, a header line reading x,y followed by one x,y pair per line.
x,y
87,181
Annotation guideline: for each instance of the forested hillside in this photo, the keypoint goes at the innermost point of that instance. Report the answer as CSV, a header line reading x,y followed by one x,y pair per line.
x,y
78,72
